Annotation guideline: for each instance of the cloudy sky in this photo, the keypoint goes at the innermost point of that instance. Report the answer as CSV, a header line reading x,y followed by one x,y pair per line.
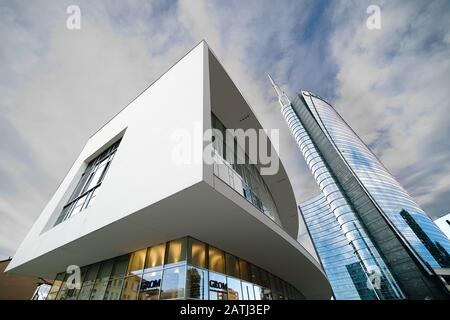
x,y
57,86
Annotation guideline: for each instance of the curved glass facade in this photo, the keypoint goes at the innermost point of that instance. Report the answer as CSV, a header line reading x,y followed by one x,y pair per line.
x,y
185,268
367,257
426,239
347,276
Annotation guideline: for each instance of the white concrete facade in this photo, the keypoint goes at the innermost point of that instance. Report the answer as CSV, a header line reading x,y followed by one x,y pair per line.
x,y
444,224
146,198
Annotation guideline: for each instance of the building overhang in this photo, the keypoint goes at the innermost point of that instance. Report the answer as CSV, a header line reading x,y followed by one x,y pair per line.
x,y
229,104
223,219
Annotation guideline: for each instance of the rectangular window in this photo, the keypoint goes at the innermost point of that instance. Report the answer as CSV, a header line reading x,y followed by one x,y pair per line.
x,y
232,265
197,283
130,288
155,257
234,289
216,260
56,286
217,286
150,286
174,280
91,179
137,260
197,253
101,283
176,251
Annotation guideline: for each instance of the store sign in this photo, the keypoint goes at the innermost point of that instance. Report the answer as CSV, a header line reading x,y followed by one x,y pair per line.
x,y
146,285
217,285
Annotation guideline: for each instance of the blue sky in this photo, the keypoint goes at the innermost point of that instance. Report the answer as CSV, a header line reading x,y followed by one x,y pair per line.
x,y
58,86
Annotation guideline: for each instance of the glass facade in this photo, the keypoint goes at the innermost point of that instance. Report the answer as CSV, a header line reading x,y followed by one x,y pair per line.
x,y
344,218
232,165
86,190
345,272
180,269
389,195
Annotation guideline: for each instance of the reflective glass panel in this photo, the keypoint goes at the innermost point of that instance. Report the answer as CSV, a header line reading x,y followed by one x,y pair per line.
x,y
247,291
130,288
155,256
173,283
176,251
232,265
197,283
150,285
120,266
113,289
137,260
234,289
217,286
197,252
216,260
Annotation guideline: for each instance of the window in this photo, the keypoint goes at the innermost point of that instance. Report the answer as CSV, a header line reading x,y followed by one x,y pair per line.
x,y
176,251
173,283
232,265
244,267
197,283
88,283
234,289
155,257
86,190
130,288
216,260
150,286
137,260
101,283
55,287
247,291
197,253
217,286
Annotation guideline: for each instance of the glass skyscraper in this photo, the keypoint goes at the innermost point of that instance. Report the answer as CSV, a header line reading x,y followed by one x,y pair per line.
x,y
392,239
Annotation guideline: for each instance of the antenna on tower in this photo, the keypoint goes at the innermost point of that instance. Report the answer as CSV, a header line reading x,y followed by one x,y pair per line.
x,y
282,97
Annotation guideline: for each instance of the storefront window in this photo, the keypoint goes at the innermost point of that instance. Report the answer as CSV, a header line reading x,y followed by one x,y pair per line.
x,y
155,257
217,286
197,283
150,286
232,265
216,259
56,286
197,253
173,283
245,272
101,283
120,266
234,289
88,283
256,275
258,292
130,288
247,291
137,260
143,275
113,289
176,251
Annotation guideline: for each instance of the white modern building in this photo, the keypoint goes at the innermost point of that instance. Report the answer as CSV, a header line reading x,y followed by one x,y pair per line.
x,y
146,220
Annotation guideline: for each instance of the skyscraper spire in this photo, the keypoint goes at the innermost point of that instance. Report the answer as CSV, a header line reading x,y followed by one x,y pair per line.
x,y
282,97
